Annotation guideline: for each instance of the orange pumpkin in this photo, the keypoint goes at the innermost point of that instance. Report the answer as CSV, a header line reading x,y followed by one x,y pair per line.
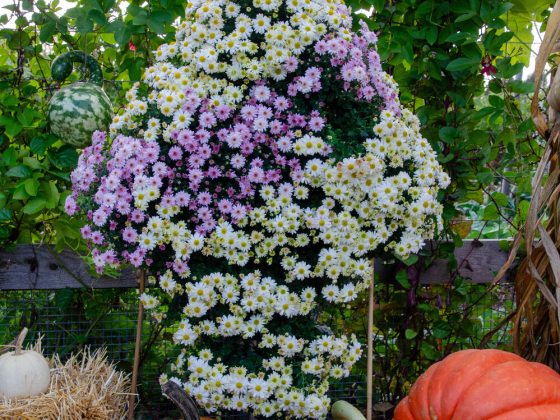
x,y
483,384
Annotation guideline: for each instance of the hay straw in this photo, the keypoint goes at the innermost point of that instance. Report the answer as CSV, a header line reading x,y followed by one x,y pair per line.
x,y
536,328
85,387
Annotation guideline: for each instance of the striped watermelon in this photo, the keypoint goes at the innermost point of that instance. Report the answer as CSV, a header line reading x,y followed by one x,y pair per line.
x,y
78,110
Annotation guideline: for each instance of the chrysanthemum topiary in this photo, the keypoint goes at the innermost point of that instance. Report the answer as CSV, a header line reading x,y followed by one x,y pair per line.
x,y
260,165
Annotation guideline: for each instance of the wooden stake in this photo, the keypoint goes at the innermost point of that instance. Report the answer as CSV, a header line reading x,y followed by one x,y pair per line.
x,y
371,304
134,382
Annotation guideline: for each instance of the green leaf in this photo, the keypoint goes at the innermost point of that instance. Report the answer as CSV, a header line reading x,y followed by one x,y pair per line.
x,y
523,209
459,36
490,212
485,176
496,101
31,162
475,195
39,145
31,186
479,137
60,174
504,7
428,351
19,171
5,232
446,158
500,198
12,127
98,17
84,24
529,7
20,39
481,113
402,278
410,334
508,70
158,19
65,157
441,329
431,34
63,299
141,18
21,22
462,63
34,205
122,36
51,193
135,66
9,101
6,215
26,116
465,17
27,5
448,134
495,86
518,86
9,156
20,193
458,98
107,5
47,31
65,229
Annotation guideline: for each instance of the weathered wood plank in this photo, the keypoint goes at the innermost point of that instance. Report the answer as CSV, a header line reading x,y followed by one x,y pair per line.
x,y
31,267
38,267
477,261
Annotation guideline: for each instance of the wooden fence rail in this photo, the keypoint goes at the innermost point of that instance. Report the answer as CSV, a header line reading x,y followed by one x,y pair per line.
x,y
34,267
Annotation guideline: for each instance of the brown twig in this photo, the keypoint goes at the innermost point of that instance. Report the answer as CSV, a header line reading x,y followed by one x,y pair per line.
x,y
371,304
135,368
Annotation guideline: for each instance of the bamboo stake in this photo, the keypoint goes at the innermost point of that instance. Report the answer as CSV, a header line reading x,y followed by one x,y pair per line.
x,y
134,381
371,304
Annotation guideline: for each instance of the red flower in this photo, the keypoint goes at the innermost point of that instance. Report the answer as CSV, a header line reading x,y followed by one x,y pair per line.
x,y
487,67
131,46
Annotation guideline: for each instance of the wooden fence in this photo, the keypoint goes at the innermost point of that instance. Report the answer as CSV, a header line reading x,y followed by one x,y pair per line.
x,y
34,267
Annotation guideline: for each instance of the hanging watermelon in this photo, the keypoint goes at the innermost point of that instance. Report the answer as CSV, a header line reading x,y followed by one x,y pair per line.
x,y
76,111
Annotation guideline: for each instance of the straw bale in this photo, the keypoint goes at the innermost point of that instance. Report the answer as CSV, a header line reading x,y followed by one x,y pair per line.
x,y
87,386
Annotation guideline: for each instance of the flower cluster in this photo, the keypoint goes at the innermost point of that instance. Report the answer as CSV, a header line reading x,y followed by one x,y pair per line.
x,y
254,301
267,164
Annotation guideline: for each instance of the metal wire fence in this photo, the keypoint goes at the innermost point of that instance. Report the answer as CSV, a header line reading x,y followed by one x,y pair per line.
x,y
494,309
69,319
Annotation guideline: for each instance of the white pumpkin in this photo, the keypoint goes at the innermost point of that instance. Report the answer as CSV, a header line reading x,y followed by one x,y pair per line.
x,y
23,373
342,410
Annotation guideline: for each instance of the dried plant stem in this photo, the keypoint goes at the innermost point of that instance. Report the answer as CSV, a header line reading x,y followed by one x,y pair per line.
x,y
134,383
371,304
19,341
536,330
